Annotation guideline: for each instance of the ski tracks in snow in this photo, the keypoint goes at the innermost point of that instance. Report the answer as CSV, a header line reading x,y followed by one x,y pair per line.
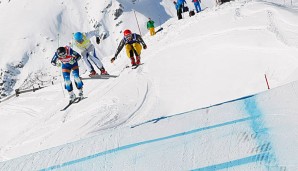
x,y
113,117
121,100
110,106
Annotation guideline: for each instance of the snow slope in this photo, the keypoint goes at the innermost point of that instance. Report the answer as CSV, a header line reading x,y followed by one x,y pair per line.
x,y
257,132
215,56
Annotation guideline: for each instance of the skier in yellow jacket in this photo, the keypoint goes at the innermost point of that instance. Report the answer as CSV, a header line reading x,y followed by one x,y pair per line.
x,y
82,42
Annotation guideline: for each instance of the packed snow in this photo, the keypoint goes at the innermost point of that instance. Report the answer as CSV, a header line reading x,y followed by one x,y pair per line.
x,y
200,101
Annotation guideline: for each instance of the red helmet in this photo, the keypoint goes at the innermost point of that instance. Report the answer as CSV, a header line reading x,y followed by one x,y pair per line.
x,y
126,32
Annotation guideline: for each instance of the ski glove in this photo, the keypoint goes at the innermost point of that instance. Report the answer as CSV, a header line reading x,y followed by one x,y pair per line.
x,y
78,58
97,40
145,46
72,61
56,64
113,59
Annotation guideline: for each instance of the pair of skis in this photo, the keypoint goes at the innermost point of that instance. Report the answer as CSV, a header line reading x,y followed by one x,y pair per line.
x,y
97,76
134,67
76,100
100,77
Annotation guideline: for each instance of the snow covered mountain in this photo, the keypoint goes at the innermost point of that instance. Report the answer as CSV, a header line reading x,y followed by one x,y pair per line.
x,y
30,36
216,56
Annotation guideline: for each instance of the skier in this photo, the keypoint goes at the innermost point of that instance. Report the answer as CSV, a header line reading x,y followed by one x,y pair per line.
x,y
132,42
178,7
150,27
197,5
184,7
82,42
68,57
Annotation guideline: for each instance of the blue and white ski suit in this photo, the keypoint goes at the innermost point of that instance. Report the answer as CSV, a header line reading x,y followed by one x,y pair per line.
x,y
69,63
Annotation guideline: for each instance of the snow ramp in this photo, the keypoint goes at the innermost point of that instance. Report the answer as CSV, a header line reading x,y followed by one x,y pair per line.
x,y
257,132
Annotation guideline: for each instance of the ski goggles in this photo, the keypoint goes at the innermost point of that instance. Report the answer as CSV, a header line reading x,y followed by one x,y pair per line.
x,y
62,55
129,36
80,41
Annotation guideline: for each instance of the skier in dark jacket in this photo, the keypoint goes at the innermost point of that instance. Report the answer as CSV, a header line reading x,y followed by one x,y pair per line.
x,y
178,7
132,43
69,59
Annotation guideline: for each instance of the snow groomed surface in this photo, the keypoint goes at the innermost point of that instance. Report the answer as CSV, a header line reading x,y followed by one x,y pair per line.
x,y
256,132
144,119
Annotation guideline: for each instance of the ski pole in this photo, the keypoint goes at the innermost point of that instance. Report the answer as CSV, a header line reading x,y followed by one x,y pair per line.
x,y
267,82
58,40
60,71
137,22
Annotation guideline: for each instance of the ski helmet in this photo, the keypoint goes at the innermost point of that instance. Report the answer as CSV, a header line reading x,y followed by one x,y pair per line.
x,y
127,32
78,36
61,51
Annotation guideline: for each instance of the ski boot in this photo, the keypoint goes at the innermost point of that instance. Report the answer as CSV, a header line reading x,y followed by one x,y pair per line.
x,y
103,71
138,60
81,93
72,96
92,73
133,62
